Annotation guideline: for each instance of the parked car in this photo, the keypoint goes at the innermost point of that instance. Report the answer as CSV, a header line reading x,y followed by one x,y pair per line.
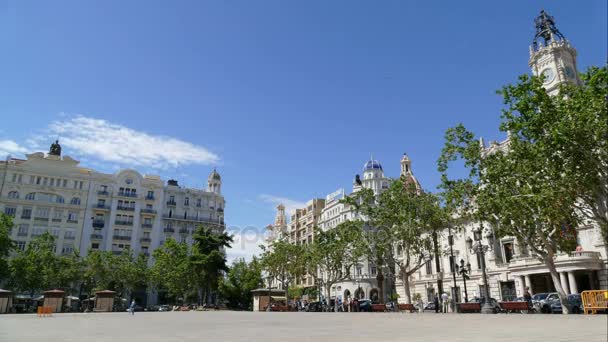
x,y
365,305
314,307
575,304
136,309
164,308
429,306
544,304
152,308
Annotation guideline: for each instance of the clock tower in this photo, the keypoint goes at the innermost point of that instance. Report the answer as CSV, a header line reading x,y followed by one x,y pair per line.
x,y
552,55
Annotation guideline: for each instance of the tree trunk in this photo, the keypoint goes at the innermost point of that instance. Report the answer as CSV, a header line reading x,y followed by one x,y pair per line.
x,y
327,294
380,280
406,287
437,264
563,298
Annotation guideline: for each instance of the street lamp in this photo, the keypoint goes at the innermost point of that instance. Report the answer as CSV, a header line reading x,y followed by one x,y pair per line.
x,y
465,271
478,248
455,293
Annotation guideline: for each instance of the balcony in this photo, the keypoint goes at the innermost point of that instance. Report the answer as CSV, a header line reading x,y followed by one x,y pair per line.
x,y
150,198
41,218
103,193
145,240
194,219
21,233
96,237
563,261
120,207
98,223
146,225
100,206
71,221
26,217
121,237
127,194
69,238
123,223
148,211
169,230
171,203
184,231
220,210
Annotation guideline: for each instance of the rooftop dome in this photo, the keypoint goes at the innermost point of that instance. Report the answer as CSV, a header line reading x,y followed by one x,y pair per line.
x,y
372,164
215,175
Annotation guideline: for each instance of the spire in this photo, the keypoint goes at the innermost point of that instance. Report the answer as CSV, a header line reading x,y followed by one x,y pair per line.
x,y
545,29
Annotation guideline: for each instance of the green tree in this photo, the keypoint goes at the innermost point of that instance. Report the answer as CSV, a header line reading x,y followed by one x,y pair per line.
x,y
172,270
532,187
6,245
98,271
130,272
335,253
34,269
208,260
241,279
376,238
284,262
410,218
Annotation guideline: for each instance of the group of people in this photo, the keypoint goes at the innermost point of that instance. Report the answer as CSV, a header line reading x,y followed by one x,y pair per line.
x,y
442,305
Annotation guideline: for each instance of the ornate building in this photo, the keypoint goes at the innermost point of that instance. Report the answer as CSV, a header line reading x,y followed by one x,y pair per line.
x,y
510,267
89,210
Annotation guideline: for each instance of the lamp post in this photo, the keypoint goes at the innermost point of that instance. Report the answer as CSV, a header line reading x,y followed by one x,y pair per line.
x,y
478,248
464,271
453,266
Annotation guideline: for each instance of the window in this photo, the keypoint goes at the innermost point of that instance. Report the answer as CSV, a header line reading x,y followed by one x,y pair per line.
x,y
57,214
52,182
69,235
429,266
150,195
14,177
508,250
23,229
101,202
452,264
75,201
10,211
65,183
31,196
38,179
72,216
13,194
26,213
198,202
20,245
479,260
187,201
95,246
172,198
373,271
45,181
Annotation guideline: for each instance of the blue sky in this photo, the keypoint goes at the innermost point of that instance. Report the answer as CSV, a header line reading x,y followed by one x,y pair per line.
x,y
287,98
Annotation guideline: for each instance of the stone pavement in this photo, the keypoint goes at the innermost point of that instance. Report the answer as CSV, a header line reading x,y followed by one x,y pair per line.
x,y
275,326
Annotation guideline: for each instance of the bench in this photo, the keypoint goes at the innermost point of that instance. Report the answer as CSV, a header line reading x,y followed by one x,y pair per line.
x,y
378,308
469,307
407,307
514,306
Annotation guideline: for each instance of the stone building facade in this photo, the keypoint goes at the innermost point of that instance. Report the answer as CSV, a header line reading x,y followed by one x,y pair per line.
x,y
89,210
510,267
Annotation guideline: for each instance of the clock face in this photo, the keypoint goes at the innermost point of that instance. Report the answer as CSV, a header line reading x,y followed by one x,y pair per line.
x,y
569,72
549,75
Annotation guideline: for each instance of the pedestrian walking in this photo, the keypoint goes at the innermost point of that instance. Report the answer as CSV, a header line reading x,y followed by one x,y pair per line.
x,y
436,302
444,302
528,297
132,307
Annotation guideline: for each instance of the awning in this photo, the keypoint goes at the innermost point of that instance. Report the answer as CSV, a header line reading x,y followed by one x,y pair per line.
x,y
278,298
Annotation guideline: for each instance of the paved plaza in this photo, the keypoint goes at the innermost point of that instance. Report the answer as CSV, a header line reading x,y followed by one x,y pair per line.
x,y
249,326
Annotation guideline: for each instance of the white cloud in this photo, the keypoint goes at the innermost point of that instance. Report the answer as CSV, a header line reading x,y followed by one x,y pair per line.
x,y
290,205
115,143
246,243
10,147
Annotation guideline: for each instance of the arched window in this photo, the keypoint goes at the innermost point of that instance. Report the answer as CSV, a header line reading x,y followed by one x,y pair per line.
x,y
31,196
75,201
13,194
